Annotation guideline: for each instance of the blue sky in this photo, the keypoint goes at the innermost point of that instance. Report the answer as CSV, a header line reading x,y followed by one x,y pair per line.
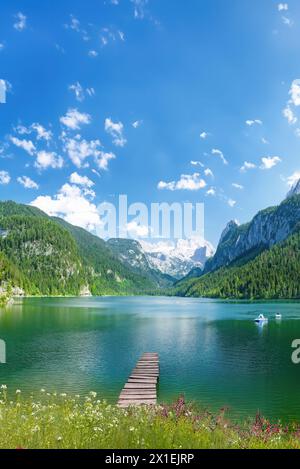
x,y
163,100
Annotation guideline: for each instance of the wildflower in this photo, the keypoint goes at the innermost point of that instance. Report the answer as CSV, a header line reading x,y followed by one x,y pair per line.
x,y
3,386
93,394
18,391
59,438
35,429
63,394
131,429
43,390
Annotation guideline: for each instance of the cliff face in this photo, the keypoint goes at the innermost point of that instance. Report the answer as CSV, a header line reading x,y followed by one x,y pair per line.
x,y
267,228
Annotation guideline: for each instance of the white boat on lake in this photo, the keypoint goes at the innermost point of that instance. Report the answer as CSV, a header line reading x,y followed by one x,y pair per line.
x,y
261,319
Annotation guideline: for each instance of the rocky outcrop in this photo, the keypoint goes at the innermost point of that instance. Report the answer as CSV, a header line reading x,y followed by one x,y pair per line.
x,y
295,190
267,228
85,291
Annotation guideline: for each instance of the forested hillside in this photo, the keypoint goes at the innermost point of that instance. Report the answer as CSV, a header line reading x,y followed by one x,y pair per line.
x,y
47,256
274,273
104,270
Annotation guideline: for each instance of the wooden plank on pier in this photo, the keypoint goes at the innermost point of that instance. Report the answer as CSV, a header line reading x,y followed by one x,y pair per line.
x,y
141,387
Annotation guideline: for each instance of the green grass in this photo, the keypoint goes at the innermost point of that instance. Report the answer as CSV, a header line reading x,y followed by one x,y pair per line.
x,y
60,421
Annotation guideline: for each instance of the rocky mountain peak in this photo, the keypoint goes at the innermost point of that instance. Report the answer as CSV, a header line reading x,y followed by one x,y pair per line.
x,y
232,225
294,190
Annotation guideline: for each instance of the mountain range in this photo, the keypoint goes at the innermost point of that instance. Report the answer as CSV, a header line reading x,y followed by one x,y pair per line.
x,y
178,258
40,255
43,255
259,259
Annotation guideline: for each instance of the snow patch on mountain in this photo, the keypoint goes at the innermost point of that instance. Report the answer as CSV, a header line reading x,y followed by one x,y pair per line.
x,y
177,258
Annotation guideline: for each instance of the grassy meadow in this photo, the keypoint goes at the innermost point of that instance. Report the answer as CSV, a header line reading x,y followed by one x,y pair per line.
x,y
51,420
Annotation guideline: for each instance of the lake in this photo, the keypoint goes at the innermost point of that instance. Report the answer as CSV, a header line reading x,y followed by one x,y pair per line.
x,y
211,351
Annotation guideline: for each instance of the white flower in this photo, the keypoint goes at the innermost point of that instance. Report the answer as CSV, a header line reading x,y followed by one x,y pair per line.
x,y
43,390
35,429
59,438
18,391
3,386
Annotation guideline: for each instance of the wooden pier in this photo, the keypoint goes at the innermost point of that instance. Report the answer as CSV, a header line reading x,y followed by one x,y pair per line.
x,y
141,387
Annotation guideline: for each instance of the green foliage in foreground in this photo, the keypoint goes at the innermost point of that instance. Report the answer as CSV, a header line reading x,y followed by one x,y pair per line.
x,y
273,274
59,421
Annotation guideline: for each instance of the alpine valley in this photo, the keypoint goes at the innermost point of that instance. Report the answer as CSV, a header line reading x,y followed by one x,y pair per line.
x,y
42,255
257,260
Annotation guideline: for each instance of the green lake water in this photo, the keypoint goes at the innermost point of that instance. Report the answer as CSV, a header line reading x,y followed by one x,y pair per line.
x,y
211,351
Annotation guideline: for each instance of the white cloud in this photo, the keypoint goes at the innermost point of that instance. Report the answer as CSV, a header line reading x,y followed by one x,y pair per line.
x,y
295,92
283,7
90,91
8,86
288,113
269,162
47,159
137,124
287,21
291,180
264,141
80,92
137,231
79,150
121,35
204,135
231,202
84,181
139,8
109,35
72,205
219,153
293,102
21,22
96,172
27,182
103,158
4,177
74,24
247,165
189,182
1,46
237,186
41,132
26,145
250,122
92,53
208,172
115,129
197,163
211,191
74,119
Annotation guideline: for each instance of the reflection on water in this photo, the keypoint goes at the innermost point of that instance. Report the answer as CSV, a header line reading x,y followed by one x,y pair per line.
x,y
212,351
